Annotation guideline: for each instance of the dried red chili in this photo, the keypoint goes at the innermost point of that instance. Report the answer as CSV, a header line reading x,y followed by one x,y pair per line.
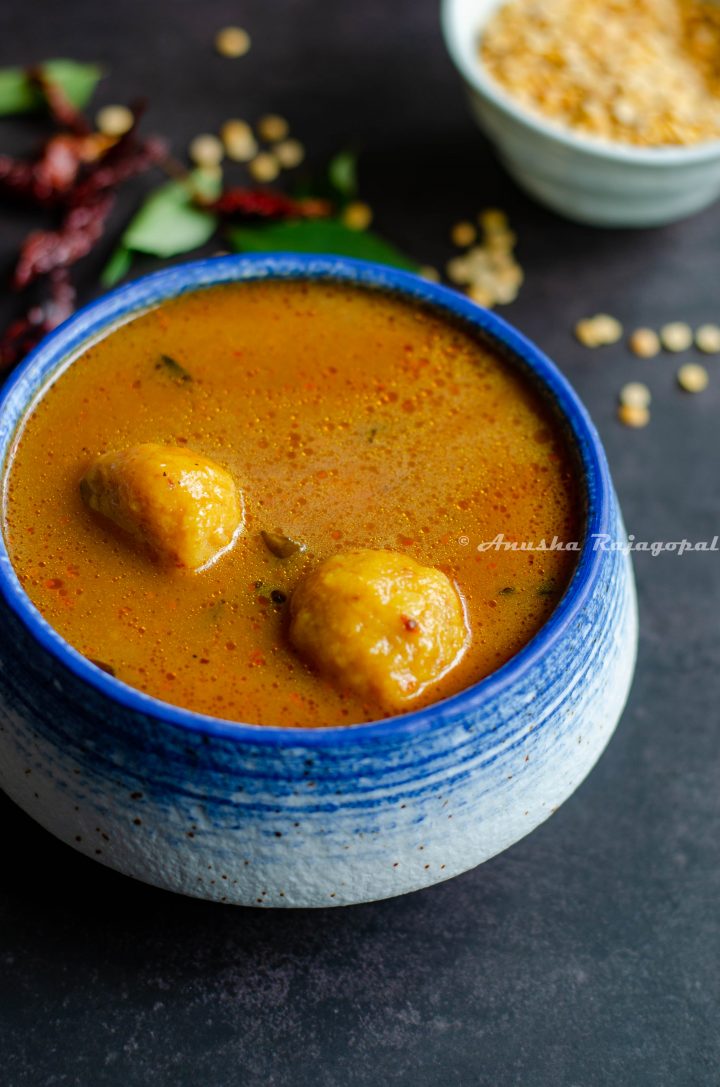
x,y
48,180
126,159
45,250
25,332
265,204
77,170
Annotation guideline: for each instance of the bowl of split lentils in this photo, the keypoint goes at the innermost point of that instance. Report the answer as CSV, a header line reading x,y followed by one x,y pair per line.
x,y
607,111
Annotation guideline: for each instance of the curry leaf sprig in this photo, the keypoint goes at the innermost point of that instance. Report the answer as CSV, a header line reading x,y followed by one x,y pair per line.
x,y
180,216
19,91
168,223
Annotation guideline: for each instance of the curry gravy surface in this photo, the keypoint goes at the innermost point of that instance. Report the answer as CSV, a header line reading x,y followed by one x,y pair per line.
x,y
350,419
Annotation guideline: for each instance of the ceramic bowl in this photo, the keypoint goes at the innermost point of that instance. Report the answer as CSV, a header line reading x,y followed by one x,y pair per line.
x,y
592,181
313,817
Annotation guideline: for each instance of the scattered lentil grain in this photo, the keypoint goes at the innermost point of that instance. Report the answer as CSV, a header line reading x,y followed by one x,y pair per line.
x,y
707,339
206,150
482,296
676,336
635,395
239,140
633,416
493,220
458,270
692,377
232,42
488,269
114,120
645,343
357,216
463,234
598,331
289,153
272,128
264,167
428,272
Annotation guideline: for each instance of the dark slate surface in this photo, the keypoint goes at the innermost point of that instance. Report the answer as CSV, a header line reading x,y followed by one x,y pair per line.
x,y
588,954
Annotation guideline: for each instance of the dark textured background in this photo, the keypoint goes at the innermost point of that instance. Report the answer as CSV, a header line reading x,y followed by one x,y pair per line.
x,y
588,954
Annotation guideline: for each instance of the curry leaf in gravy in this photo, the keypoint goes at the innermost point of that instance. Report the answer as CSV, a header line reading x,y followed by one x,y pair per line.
x,y
280,545
216,611
103,666
173,368
319,236
20,94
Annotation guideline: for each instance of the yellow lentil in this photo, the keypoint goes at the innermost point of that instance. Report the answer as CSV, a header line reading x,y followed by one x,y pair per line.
x,y
676,336
645,343
232,42
114,120
633,416
264,167
206,150
492,220
598,331
428,272
483,296
487,269
239,140
707,339
635,395
289,153
463,234
357,215
692,377
272,128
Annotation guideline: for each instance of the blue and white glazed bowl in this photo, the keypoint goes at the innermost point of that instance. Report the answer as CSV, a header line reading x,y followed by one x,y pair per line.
x,y
313,817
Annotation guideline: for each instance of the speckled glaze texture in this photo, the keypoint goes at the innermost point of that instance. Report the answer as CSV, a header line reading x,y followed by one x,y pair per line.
x,y
279,817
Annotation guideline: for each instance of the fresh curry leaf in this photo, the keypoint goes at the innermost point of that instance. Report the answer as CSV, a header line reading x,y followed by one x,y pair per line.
x,y
117,267
336,183
173,368
18,93
319,236
76,81
167,224
342,174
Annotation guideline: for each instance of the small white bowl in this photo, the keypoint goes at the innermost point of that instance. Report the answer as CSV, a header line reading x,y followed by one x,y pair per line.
x,y
592,181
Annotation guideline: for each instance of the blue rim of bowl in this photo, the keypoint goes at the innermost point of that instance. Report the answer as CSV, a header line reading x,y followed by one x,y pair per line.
x,y
457,36
100,317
